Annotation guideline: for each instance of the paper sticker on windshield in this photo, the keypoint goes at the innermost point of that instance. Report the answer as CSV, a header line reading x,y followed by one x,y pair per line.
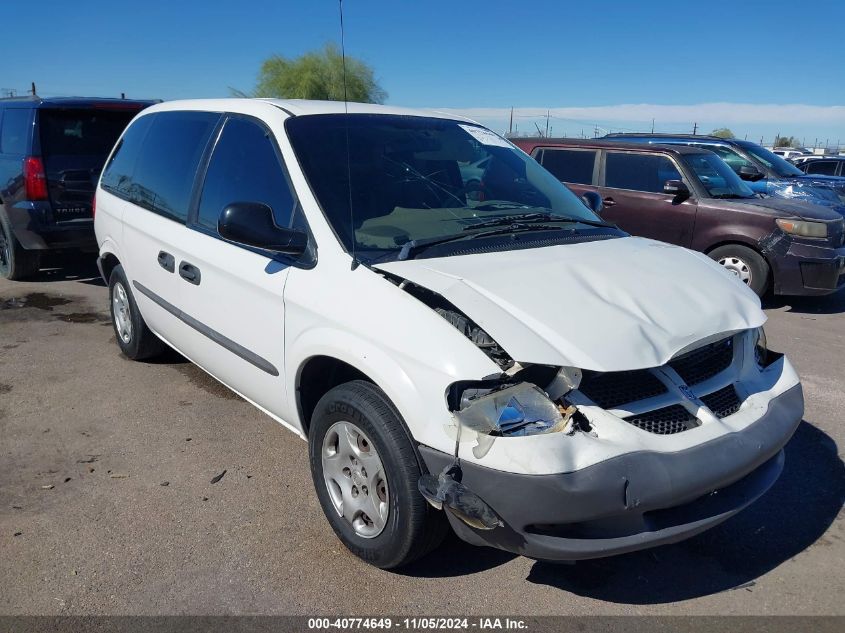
x,y
483,136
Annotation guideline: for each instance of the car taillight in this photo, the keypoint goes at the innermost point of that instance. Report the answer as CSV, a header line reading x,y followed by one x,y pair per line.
x,y
34,178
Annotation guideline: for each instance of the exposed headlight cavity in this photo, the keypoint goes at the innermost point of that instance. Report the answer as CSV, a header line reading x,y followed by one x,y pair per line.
x,y
761,347
515,410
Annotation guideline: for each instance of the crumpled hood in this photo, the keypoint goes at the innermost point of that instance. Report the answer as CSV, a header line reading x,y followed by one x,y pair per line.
x,y
608,305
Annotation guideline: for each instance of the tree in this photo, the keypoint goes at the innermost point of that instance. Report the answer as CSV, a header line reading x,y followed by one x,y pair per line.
x,y
722,132
786,141
317,75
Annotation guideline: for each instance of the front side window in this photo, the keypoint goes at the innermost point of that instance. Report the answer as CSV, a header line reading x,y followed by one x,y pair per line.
x,y
14,131
639,172
245,168
570,165
781,167
718,179
823,167
166,167
389,184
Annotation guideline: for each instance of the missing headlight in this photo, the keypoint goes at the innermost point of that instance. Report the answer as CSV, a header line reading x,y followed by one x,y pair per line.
x,y
512,411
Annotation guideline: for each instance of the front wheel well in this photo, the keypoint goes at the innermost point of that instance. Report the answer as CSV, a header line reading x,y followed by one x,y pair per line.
x,y
318,375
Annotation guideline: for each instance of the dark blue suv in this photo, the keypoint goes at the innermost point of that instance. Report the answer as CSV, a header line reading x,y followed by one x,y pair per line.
x,y
764,171
51,155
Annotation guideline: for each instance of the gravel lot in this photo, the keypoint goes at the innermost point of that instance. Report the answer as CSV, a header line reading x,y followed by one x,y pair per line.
x,y
106,505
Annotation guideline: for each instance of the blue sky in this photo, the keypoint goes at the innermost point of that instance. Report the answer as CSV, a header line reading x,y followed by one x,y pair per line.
x,y
590,62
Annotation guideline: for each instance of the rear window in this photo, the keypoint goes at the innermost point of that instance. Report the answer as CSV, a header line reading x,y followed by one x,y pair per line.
x,y
81,132
14,131
570,165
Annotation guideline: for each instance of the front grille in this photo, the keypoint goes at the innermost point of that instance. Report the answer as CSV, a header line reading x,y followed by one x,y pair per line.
x,y
723,403
665,421
611,389
705,362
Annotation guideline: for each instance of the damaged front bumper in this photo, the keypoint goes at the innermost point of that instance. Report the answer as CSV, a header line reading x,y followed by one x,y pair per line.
x,y
634,500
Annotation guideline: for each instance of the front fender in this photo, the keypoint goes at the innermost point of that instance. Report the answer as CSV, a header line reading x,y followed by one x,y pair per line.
x,y
418,391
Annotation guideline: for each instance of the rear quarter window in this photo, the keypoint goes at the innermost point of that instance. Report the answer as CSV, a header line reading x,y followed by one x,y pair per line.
x,y
15,127
157,172
569,165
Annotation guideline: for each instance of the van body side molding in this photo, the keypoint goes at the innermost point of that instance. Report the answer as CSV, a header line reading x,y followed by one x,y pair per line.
x,y
239,350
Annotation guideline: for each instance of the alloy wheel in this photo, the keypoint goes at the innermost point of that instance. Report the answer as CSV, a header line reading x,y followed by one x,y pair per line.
x,y
122,313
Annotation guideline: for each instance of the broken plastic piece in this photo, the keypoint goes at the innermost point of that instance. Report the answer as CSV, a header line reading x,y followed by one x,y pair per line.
x,y
447,492
518,410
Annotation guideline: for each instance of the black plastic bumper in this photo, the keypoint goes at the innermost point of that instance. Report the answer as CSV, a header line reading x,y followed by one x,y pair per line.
x,y
809,270
633,501
35,229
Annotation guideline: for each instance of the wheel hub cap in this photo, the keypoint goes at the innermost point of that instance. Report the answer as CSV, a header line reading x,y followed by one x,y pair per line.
x,y
121,313
737,267
355,479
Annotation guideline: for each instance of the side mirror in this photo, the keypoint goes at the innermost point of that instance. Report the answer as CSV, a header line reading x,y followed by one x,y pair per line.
x,y
592,200
676,188
252,224
750,173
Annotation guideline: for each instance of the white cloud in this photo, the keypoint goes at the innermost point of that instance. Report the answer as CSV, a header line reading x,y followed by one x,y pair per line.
x,y
715,113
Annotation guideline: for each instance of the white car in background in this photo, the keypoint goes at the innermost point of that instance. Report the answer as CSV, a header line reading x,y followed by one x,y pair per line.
x,y
560,389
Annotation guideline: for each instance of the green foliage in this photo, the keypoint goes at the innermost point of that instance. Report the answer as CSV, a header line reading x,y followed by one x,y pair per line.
x,y
317,75
786,141
722,132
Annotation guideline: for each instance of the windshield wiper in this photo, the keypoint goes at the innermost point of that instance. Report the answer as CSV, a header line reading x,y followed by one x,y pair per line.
x,y
531,218
412,248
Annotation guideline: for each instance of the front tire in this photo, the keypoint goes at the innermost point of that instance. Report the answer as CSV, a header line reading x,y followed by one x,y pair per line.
x,y
365,472
133,336
748,265
16,262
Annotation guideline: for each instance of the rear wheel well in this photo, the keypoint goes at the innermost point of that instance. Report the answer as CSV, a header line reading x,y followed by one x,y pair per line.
x,y
109,262
319,375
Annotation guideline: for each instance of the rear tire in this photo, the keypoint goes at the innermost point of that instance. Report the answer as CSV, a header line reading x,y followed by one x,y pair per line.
x,y
748,265
133,336
409,527
16,262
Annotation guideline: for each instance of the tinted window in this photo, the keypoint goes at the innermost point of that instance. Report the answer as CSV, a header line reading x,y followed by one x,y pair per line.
x,y
245,168
167,165
640,172
81,132
824,167
117,175
570,165
14,131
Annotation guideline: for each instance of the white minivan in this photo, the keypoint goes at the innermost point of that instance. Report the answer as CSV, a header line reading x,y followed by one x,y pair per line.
x,y
459,346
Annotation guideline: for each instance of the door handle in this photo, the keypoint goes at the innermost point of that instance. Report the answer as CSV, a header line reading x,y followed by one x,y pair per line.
x,y
609,202
166,261
189,273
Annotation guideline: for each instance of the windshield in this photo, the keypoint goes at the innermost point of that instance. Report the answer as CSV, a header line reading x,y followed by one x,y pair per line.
x,y
718,179
416,179
781,167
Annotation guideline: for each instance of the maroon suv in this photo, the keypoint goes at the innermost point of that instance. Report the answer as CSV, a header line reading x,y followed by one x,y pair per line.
x,y
688,196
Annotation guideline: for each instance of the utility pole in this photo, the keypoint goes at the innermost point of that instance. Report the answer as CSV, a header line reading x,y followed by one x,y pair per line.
x,y
122,95
510,127
548,114
539,131
33,88
652,125
694,128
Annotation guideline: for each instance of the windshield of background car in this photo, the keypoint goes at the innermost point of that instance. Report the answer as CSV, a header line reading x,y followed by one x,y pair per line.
x,y
410,178
733,158
718,179
780,166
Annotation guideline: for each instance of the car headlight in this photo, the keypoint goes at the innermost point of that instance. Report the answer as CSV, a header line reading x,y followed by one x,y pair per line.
x,y
761,347
802,228
517,410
